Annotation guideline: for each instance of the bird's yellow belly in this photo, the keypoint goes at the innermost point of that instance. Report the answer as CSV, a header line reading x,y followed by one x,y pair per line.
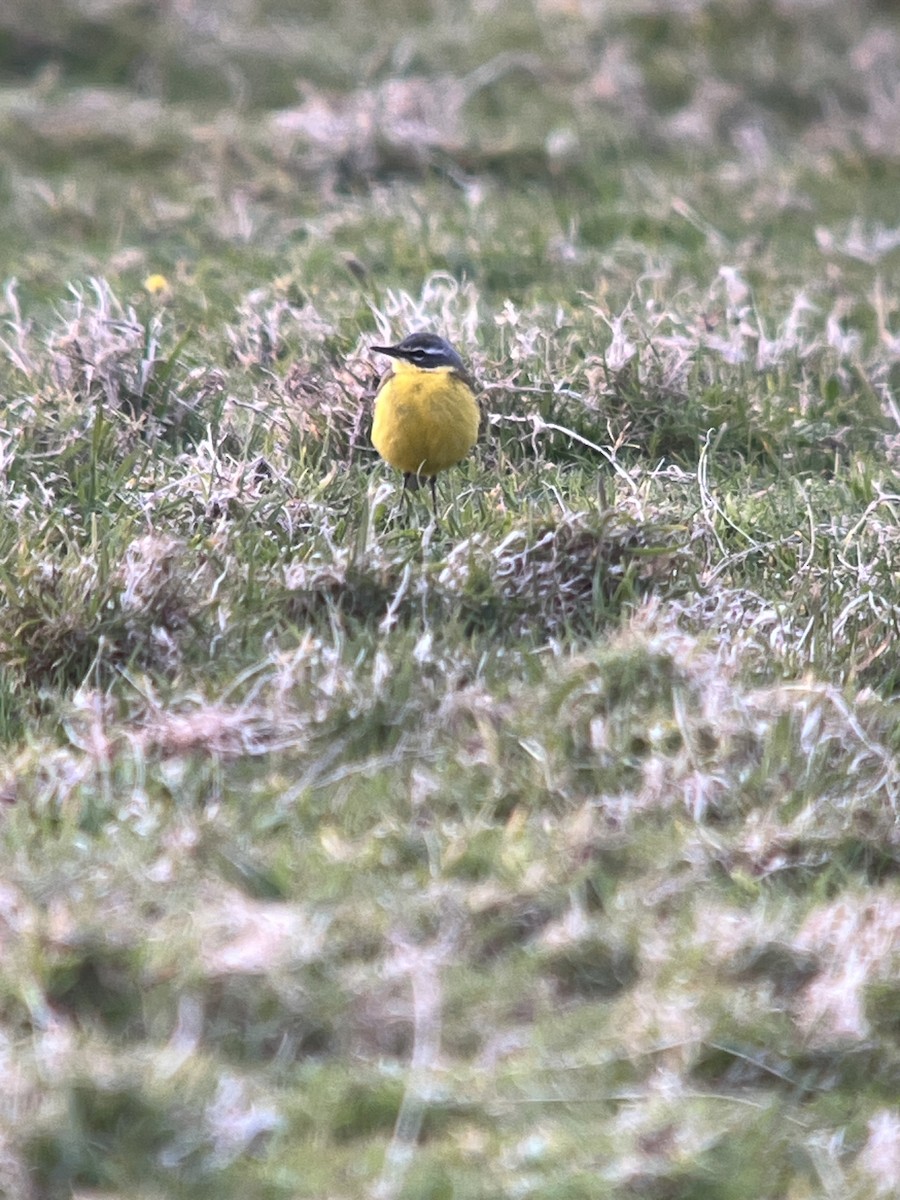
x,y
424,425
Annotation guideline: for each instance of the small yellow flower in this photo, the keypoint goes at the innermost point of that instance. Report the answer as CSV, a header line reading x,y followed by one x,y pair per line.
x,y
157,285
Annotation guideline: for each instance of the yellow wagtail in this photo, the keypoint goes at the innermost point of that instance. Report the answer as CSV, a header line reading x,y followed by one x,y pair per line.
x,y
426,414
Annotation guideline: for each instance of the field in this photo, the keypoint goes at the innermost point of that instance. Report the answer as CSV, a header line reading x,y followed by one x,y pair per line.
x,y
548,851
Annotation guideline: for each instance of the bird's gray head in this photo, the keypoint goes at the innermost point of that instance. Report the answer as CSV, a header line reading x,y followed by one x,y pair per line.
x,y
425,350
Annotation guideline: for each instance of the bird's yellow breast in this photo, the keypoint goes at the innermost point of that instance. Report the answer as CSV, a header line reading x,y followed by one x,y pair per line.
x,y
425,420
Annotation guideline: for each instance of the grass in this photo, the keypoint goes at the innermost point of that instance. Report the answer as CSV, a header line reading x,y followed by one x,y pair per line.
x,y
547,852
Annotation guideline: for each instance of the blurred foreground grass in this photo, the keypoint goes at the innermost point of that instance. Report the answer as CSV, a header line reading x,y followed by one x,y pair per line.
x,y
552,853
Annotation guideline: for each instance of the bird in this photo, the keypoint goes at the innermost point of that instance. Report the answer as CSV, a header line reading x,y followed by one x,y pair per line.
x,y
426,414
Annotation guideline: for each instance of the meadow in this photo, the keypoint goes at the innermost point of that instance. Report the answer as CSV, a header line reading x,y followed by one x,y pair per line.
x,y
548,851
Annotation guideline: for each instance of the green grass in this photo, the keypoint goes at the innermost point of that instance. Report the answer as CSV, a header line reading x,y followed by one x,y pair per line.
x,y
549,852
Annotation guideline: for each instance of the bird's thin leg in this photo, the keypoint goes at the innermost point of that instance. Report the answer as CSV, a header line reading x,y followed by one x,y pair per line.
x,y
409,486
434,498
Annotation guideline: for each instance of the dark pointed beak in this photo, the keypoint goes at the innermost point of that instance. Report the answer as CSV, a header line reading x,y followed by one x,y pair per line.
x,y
393,351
